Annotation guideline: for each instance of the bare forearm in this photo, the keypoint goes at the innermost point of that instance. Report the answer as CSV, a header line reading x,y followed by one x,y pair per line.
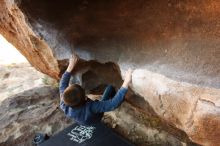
x,y
125,85
72,63
70,68
127,79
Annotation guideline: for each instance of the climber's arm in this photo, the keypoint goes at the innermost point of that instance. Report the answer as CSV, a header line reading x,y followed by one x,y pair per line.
x,y
64,82
111,104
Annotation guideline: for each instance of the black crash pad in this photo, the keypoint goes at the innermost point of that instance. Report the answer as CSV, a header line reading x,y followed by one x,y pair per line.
x,y
93,135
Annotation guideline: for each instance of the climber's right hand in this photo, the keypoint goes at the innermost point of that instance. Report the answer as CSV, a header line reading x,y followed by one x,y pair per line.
x,y
128,78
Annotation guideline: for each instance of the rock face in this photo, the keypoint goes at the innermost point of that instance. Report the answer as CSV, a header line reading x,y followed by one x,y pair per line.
x,y
16,31
27,113
172,45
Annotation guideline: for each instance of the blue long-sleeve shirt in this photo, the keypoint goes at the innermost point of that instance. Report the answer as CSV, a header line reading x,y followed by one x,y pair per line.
x,y
92,111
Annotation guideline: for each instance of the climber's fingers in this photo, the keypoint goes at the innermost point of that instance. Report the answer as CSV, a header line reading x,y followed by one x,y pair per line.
x,y
74,55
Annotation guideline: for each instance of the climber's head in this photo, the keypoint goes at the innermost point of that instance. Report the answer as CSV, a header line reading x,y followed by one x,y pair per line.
x,y
74,96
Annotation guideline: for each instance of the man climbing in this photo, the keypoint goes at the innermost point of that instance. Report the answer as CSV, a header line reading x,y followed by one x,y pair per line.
x,y
77,106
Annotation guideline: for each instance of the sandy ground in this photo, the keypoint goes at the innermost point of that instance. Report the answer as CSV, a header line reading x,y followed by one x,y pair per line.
x,y
16,78
16,74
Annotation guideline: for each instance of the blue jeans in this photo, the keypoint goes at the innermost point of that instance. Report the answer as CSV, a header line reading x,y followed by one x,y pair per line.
x,y
108,93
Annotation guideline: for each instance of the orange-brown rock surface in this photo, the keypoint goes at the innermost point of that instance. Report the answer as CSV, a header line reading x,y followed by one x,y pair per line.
x,y
174,47
15,29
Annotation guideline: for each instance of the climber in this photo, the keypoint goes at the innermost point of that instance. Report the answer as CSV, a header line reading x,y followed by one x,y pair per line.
x,y
83,110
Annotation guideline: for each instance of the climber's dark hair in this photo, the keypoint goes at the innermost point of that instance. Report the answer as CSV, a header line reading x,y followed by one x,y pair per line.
x,y
74,95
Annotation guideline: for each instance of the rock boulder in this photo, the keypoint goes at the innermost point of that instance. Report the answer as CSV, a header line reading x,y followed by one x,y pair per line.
x,y
172,45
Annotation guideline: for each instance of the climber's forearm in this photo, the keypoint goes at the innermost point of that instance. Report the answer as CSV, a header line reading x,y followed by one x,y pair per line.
x,y
70,67
128,77
125,84
64,82
72,63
